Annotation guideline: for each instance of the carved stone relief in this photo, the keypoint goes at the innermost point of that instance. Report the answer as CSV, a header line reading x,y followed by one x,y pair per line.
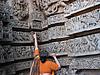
x,y
8,53
86,44
1,30
62,71
2,72
21,9
20,37
23,65
78,4
10,69
36,25
87,21
22,52
59,18
55,47
53,6
2,60
21,24
91,62
57,32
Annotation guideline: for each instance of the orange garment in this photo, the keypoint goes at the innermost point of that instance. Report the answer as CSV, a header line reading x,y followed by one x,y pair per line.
x,y
48,66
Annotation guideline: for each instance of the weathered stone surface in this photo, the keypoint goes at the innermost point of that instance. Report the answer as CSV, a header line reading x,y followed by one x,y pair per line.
x,y
62,71
53,6
21,24
7,31
84,22
44,23
64,61
86,44
21,9
2,72
78,4
26,72
1,30
57,32
22,52
23,65
59,18
89,72
2,60
36,25
10,69
92,62
55,47
8,53
22,37
36,15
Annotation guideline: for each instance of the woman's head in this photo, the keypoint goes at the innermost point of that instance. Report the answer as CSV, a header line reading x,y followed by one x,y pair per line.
x,y
43,55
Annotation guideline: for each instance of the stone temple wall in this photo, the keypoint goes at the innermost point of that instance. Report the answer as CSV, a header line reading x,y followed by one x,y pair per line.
x,y
62,26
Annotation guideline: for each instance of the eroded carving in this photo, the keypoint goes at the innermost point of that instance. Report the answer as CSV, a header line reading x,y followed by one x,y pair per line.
x,y
22,52
22,37
92,62
21,9
84,44
23,65
87,21
53,7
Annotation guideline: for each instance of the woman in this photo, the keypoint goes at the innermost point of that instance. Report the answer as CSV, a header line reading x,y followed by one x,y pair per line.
x,y
45,67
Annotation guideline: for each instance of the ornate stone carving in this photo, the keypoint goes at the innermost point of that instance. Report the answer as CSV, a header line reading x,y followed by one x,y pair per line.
x,y
22,52
2,60
55,47
1,30
21,9
92,62
22,37
23,65
53,7
87,21
36,25
86,44
10,69
2,72
62,71
21,24
8,53
57,32
78,4
7,31
59,18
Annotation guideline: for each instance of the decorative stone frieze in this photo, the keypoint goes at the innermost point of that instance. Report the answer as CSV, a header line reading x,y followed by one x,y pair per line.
x,y
22,52
58,18
84,22
91,62
53,7
83,45
78,4
22,37
21,9
23,65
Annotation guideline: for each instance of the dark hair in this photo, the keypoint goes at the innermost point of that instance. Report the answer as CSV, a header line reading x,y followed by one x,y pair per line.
x,y
43,55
